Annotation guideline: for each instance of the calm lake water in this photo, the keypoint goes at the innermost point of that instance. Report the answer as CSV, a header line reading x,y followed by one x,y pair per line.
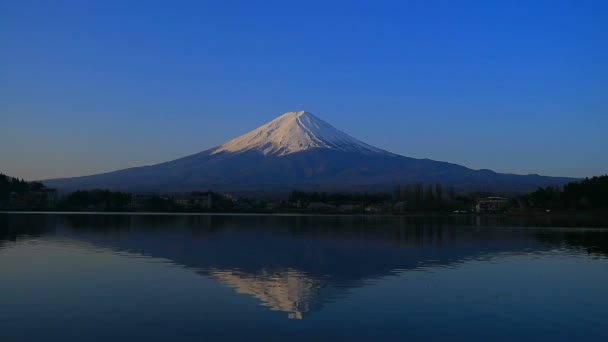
x,y
193,278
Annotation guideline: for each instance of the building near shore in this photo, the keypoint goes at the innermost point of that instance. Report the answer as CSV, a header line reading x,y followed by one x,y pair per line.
x,y
492,205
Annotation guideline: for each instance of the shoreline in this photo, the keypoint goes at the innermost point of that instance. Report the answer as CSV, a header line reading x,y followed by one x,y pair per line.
x,y
556,214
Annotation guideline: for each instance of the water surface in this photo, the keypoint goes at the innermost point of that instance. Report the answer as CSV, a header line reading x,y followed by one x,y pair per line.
x,y
179,277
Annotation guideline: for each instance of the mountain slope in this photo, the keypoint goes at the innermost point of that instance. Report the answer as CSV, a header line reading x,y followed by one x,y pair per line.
x,y
299,151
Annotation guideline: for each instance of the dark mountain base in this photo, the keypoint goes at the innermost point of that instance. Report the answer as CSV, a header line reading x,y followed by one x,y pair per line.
x,y
311,170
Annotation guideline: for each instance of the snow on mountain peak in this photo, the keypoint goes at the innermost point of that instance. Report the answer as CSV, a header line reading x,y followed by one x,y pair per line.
x,y
295,132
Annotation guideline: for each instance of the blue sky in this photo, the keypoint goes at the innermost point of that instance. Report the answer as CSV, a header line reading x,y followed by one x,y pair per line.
x,y
513,86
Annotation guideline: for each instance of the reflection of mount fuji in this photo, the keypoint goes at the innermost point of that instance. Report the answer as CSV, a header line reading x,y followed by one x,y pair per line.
x,y
289,291
298,264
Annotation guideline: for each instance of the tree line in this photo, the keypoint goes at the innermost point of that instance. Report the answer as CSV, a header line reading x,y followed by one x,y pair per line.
x,y
335,199
590,193
415,197
101,199
10,185
587,194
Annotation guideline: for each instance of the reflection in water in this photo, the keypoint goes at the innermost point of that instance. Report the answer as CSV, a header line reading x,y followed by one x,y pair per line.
x,y
14,226
288,291
298,264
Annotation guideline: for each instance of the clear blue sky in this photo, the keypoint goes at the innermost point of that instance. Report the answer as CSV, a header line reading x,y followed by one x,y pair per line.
x,y
92,86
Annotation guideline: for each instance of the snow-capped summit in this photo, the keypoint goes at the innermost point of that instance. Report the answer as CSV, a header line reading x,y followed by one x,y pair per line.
x,y
295,132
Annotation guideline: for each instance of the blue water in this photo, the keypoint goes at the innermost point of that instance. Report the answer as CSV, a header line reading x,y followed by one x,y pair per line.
x,y
193,278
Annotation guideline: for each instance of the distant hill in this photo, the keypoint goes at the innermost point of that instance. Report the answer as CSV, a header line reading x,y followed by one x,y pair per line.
x,y
300,151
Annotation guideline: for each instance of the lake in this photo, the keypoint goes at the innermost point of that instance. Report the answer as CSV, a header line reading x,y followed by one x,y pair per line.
x,y
103,277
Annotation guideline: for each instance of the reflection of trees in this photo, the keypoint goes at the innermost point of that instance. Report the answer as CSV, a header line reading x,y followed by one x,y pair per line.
x,y
141,223
411,231
543,220
99,223
594,241
13,226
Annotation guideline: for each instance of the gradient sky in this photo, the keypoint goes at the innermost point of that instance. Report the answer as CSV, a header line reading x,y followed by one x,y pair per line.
x,y
93,86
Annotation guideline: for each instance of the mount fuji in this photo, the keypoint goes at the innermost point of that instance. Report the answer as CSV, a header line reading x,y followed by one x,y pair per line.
x,y
299,151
